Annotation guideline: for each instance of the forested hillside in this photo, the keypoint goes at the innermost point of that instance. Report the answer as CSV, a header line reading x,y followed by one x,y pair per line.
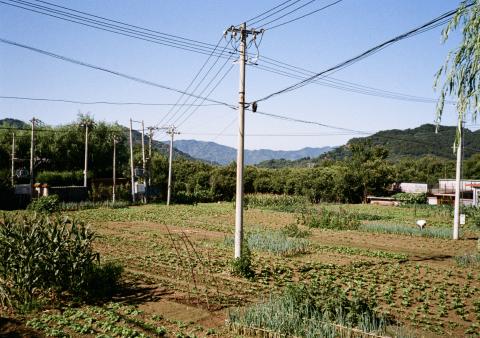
x,y
416,142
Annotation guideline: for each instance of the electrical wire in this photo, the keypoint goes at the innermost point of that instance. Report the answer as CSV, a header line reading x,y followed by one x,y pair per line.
x,y
272,14
184,103
301,17
193,80
304,72
126,76
212,52
359,132
144,34
268,11
98,102
354,88
427,26
205,88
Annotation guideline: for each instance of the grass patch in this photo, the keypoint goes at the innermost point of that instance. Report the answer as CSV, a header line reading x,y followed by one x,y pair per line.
x,y
364,252
85,205
275,242
468,260
407,230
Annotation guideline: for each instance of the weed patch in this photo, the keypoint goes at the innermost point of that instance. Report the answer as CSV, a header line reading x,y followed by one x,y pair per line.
x,y
436,232
468,260
329,219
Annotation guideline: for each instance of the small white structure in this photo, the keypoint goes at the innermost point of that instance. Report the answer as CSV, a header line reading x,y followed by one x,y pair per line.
x,y
139,188
414,188
476,195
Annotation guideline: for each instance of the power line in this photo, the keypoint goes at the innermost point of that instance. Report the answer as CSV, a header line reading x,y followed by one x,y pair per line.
x,y
127,24
352,87
306,72
99,102
211,53
359,132
271,12
141,33
268,11
126,76
184,104
191,82
274,135
301,17
208,95
427,26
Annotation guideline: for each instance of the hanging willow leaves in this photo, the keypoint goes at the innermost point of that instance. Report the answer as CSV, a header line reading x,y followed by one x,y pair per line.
x,y
460,73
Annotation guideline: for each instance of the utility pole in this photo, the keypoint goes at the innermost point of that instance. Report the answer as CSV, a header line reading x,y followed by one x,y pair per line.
x,y
244,33
32,150
114,168
87,123
171,131
456,214
131,163
150,138
86,157
143,161
13,159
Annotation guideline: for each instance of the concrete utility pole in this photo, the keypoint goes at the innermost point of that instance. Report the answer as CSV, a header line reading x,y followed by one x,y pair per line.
x,y
32,150
143,161
456,214
87,123
85,171
171,131
13,159
244,33
150,138
114,176
131,163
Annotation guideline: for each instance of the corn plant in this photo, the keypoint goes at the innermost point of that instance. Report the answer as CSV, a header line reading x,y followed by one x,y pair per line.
x,y
40,253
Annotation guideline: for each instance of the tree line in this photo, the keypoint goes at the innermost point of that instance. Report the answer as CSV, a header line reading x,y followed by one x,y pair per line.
x,y
367,170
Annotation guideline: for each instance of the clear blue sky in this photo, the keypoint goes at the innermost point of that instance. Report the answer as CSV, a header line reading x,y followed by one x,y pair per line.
x,y
316,42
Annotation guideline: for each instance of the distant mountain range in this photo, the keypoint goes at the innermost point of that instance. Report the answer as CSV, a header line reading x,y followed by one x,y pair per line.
x,y
220,154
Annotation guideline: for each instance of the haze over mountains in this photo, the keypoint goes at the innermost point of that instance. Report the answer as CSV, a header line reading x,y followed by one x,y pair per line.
x,y
217,153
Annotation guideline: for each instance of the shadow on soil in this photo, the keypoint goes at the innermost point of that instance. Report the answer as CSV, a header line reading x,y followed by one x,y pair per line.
x,y
138,294
434,258
13,328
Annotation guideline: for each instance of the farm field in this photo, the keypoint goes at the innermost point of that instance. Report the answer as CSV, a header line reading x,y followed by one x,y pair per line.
x,y
177,279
